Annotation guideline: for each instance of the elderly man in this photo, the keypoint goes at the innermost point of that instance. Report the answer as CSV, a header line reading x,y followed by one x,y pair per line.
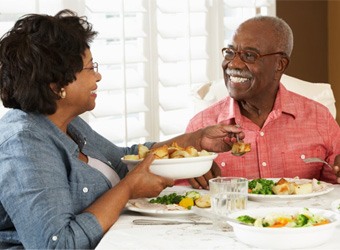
x,y
283,127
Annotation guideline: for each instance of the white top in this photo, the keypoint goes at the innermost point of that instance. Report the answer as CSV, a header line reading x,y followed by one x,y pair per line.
x,y
104,169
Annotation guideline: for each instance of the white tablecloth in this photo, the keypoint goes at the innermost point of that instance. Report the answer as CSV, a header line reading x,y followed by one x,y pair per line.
x,y
125,235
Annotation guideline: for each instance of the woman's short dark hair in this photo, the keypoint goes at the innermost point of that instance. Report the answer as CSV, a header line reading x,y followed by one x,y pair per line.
x,y
40,50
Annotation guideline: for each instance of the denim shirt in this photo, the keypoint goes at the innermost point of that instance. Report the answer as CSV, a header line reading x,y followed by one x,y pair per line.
x,y
44,187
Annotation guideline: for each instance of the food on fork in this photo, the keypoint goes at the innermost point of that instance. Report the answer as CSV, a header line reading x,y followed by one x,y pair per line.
x,y
240,148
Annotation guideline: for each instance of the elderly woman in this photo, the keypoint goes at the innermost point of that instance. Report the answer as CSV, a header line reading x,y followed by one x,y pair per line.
x,y
62,184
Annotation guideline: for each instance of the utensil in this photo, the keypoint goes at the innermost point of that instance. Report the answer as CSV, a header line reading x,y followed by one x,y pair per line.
x,y
168,222
212,216
315,159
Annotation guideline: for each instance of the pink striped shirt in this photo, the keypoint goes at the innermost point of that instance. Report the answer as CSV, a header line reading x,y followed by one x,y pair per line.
x,y
297,128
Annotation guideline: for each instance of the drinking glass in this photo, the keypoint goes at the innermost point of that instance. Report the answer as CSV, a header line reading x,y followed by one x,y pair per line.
x,y
228,194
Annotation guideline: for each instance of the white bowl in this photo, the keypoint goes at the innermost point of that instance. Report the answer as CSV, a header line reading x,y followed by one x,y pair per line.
x,y
284,237
178,168
336,206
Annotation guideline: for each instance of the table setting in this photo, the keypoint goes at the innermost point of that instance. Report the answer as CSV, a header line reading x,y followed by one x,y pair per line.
x,y
199,232
235,213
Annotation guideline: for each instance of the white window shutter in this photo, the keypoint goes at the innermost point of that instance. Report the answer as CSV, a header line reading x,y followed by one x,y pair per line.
x,y
152,55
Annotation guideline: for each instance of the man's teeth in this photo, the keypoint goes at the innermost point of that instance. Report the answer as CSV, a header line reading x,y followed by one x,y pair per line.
x,y
93,91
238,79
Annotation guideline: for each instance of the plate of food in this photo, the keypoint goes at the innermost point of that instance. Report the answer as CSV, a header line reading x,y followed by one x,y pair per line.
x,y
172,204
268,189
174,161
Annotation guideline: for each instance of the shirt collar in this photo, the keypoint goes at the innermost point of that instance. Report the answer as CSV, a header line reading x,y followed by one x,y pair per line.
x,y
78,139
283,104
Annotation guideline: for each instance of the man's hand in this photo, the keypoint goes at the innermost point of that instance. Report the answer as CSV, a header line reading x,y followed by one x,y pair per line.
x,y
219,138
336,167
202,182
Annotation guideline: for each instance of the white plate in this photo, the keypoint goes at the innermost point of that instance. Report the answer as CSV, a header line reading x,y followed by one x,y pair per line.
x,y
178,168
155,212
271,197
336,206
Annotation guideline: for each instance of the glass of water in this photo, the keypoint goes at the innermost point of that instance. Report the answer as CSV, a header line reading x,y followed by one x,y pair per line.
x,y
228,194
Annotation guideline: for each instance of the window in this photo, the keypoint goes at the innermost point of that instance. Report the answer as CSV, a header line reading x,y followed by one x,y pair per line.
x,y
152,55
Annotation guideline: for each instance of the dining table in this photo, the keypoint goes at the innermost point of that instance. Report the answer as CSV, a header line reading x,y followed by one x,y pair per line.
x,y
200,233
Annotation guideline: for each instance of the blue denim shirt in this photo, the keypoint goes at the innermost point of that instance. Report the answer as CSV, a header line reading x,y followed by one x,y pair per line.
x,y
44,187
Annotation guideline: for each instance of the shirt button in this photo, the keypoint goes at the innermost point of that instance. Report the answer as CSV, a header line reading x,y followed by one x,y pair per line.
x,y
85,189
264,164
109,163
261,133
54,238
222,164
302,157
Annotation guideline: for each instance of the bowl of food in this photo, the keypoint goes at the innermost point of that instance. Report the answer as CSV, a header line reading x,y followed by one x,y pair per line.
x,y
174,161
285,227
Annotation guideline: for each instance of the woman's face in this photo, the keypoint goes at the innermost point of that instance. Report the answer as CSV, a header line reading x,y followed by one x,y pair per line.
x,y
81,93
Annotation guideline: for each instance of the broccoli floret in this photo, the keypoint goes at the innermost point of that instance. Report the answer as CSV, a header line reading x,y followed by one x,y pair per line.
x,y
168,199
193,195
301,220
265,224
176,199
261,186
246,219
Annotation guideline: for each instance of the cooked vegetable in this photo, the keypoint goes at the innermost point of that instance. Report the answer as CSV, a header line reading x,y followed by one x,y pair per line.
x,y
204,201
246,219
186,202
261,186
302,219
193,194
173,198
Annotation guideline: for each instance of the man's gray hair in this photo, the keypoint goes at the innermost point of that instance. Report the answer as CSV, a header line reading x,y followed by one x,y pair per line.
x,y
283,33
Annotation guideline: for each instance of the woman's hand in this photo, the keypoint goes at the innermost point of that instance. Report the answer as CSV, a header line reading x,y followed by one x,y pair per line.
x,y
140,182
143,183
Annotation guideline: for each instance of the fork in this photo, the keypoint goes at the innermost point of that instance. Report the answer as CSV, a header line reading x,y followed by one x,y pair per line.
x,y
241,153
168,222
315,159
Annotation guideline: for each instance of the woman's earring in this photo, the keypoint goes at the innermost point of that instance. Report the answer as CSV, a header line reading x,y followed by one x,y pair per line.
x,y
62,93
